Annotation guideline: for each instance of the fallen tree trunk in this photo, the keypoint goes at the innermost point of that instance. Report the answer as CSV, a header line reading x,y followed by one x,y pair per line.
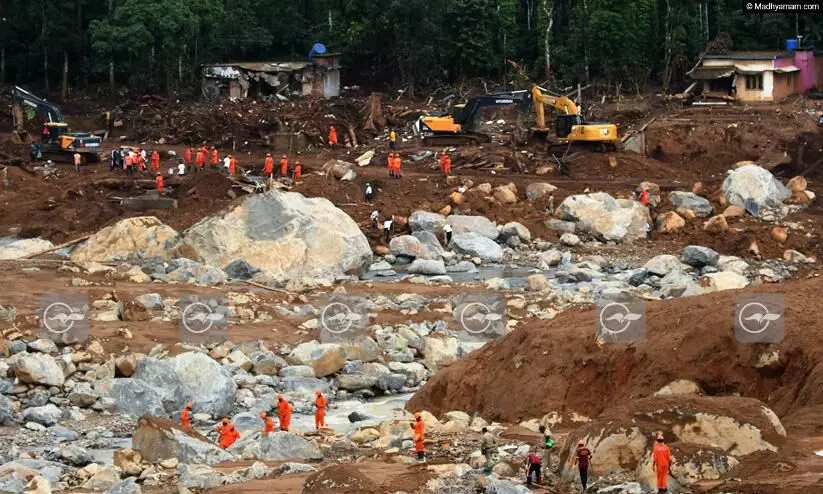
x,y
58,247
374,119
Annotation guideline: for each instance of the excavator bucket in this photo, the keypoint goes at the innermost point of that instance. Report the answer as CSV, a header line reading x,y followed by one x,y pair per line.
x,y
21,137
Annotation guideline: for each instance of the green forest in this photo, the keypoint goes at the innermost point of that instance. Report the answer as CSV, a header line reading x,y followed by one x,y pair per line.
x,y
61,46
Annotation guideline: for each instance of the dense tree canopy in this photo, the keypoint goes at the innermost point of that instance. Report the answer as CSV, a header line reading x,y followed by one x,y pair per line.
x,y
158,45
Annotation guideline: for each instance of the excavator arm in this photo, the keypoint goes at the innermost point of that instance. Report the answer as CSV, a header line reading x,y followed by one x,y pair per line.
x,y
542,98
20,98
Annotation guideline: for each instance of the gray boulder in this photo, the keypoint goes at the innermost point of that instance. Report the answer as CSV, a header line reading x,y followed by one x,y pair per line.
x,y
150,300
36,368
431,243
199,476
663,264
241,270
515,229
126,486
162,378
428,267
6,410
278,447
474,244
132,397
424,221
701,206
83,395
605,217
285,235
325,358
158,439
74,455
409,246
47,415
305,385
699,256
755,183
206,383
479,225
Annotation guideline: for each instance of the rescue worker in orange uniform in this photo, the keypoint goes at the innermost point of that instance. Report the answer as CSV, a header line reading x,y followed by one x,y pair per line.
x,y
187,157
232,165
139,155
185,415
446,164
397,164
661,462
268,166
332,136
268,423
284,166
298,171
390,164
215,159
158,181
155,161
419,435
128,164
283,413
228,434
320,413
201,159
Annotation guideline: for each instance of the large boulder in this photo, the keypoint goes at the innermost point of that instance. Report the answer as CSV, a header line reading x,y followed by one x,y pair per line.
x,y
47,415
424,221
431,243
130,239
700,206
606,218
441,351
160,375
409,246
37,368
473,224
537,190
755,183
132,397
706,435
206,383
157,439
324,358
515,229
427,267
663,264
23,248
278,447
474,244
285,235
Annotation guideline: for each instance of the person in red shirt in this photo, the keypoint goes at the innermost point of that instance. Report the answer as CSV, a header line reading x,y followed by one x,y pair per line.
x,y
268,166
232,165
185,415
214,158
283,412
284,166
187,157
268,423
446,164
320,413
533,463
644,197
155,161
419,436
158,181
583,458
298,171
661,462
332,136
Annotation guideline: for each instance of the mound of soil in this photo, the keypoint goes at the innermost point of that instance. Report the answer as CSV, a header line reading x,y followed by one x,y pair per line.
x,y
367,478
558,366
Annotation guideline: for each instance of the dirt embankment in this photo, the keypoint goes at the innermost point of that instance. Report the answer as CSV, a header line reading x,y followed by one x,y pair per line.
x,y
558,366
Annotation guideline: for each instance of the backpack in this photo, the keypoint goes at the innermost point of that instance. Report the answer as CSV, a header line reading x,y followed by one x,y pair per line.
x,y
549,442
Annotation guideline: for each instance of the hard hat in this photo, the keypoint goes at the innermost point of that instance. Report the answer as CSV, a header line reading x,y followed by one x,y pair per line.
x,y
318,392
280,397
268,154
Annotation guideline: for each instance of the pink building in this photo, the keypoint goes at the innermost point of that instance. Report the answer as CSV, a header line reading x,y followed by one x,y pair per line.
x,y
759,76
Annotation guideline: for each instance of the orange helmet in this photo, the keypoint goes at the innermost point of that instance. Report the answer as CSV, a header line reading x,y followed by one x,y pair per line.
x,y
318,392
280,397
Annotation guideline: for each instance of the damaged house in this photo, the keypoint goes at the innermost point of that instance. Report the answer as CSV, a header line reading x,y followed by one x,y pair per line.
x,y
319,77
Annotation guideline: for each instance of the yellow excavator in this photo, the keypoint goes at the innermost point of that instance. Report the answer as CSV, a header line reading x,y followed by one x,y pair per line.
x,y
570,126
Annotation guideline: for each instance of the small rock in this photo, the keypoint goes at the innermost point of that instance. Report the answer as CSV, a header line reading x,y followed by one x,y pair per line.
x,y
779,234
570,239
716,224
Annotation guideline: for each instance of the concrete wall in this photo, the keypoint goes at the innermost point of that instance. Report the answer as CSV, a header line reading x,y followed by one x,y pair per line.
x,y
755,95
785,85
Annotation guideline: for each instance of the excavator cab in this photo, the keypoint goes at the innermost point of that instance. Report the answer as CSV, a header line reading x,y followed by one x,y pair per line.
x,y
565,125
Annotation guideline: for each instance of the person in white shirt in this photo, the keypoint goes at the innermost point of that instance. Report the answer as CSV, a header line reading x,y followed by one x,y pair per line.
x,y
181,169
171,171
374,216
447,229
226,163
369,193
387,227
461,189
143,155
